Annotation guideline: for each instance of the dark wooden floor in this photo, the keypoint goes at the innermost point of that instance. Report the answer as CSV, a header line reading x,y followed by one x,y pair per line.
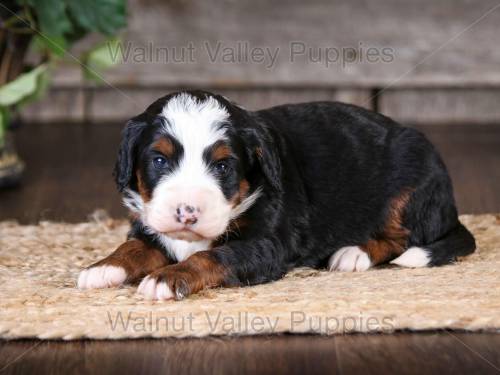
x,y
69,175
401,353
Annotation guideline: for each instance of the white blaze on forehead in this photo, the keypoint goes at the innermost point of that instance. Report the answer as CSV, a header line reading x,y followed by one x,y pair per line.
x,y
196,124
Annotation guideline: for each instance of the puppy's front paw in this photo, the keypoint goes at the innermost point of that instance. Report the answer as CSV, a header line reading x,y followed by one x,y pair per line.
x,y
349,259
152,288
101,277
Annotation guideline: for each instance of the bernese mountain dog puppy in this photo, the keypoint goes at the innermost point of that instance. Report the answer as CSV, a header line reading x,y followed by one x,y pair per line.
x,y
223,196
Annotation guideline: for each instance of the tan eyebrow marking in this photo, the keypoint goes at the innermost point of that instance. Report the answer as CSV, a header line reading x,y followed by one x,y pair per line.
x,y
165,146
221,151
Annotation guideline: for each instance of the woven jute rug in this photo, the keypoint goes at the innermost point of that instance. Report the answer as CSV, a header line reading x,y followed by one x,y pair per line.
x,y
38,298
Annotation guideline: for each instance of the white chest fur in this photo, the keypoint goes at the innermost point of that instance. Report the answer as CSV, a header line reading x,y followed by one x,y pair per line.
x,y
181,250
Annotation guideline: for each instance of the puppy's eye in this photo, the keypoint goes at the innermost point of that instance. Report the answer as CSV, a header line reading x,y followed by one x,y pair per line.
x,y
222,168
159,162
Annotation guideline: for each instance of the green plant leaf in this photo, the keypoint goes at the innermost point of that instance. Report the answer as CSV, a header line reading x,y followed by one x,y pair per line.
x,y
57,45
53,22
43,82
100,58
25,86
103,16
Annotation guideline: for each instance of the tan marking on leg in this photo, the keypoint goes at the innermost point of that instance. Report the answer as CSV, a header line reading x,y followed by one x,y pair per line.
x,y
393,239
136,258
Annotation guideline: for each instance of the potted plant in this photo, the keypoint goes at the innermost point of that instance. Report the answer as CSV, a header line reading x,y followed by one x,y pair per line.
x,y
48,29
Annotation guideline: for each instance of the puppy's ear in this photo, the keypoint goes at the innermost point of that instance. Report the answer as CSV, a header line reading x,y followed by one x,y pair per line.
x,y
263,150
124,167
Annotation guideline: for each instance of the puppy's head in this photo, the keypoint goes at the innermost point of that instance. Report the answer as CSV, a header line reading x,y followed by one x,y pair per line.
x,y
191,163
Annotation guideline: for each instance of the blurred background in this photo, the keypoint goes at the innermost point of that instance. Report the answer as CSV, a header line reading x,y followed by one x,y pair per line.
x,y
434,65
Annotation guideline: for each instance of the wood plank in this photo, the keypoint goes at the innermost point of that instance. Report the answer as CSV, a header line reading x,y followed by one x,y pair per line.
x,y
442,106
401,353
245,355
118,105
59,104
409,31
423,353
68,173
472,158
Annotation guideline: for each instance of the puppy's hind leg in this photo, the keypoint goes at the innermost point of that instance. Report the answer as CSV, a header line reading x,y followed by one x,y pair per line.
x,y
385,245
361,258
458,242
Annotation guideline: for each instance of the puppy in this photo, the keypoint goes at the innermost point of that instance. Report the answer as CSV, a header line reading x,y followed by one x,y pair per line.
x,y
222,196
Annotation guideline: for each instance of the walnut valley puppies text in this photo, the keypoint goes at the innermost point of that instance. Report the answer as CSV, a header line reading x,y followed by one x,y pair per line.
x,y
244,322
244,52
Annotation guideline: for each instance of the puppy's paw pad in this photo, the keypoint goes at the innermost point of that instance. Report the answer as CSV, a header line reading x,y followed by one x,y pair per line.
x,y
349,259
101,277
150,288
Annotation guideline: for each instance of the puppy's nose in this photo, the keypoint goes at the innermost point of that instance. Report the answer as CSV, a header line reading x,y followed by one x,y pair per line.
x,y
187,214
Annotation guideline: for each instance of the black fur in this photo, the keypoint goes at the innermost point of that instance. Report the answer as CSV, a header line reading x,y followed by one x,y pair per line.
x,y
328,172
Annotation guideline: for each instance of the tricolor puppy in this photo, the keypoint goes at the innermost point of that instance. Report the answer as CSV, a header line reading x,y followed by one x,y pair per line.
x,y
222,196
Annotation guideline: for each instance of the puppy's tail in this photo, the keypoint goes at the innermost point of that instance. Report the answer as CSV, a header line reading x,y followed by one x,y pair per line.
x,y
457,242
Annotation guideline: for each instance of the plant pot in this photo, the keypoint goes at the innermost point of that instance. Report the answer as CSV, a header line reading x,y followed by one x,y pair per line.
x,y
11,166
